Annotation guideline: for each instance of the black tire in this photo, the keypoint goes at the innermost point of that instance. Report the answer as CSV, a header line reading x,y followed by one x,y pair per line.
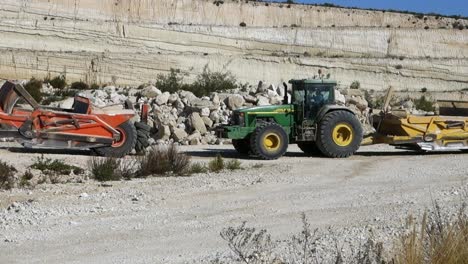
x,y
309,148
125,147
339,134
242,146
143,135
142,126
269,141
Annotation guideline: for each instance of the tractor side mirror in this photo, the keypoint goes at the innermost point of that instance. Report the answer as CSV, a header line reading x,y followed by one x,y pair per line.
x,y
285,99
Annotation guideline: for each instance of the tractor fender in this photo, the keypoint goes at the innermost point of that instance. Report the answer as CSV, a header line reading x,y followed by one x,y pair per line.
x,y
330,108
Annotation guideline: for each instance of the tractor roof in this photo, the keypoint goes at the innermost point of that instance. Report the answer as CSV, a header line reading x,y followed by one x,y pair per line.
x,y
314,81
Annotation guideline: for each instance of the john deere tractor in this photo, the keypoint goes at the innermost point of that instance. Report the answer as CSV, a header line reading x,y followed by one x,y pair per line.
x,y
313,120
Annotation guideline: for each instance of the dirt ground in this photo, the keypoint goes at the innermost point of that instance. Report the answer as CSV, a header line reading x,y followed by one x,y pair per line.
x,y
178,220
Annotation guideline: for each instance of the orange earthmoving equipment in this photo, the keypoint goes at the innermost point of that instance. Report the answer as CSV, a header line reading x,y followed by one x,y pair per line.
x,y
107,132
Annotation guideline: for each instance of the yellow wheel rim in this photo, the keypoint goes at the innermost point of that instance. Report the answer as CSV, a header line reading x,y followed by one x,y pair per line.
x,y
271,142
342,135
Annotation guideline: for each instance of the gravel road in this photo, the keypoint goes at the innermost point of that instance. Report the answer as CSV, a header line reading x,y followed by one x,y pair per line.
x,y
178,219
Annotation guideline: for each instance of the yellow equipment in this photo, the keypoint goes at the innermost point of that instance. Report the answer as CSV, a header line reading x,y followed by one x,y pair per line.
x,y
422,132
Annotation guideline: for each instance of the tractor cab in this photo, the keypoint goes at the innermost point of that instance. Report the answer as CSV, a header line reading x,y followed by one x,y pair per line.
x,y
309,98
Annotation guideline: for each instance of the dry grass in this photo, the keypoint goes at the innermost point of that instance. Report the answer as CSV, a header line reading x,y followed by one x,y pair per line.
x,y
439,239
7,176
104,169
217,164
160,161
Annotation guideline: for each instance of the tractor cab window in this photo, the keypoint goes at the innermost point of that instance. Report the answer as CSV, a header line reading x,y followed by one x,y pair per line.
x,y
316,97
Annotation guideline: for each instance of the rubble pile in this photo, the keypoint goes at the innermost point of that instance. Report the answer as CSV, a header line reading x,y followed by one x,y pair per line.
x,y
186,119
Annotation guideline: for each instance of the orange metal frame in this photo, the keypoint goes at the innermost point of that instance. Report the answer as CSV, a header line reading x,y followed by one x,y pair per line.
x,y
60,121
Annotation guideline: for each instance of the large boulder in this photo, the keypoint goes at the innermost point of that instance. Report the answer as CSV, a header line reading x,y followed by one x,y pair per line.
x,y
151,91
197,123
235,101
164,133
178,134
198,104
162,98
262,100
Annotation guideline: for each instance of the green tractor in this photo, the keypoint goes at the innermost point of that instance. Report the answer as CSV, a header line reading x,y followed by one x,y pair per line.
x,y
313,120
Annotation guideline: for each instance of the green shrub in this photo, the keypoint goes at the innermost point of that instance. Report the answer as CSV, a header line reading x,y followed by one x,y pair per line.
x,y
26,178
217,164
105,169
198,168
399,67
58,82
209,82
34,87
54,166
242,24
171,82
233,165
162,160
7,176
95,86
80,86
424,104
355,85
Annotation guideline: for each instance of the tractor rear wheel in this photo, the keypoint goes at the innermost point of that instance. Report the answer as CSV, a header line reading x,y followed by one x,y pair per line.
x,y
339,134
242,145
269,141
309,148
122,147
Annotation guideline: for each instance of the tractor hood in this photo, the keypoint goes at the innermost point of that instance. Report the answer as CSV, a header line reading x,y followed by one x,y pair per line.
x,y
266,109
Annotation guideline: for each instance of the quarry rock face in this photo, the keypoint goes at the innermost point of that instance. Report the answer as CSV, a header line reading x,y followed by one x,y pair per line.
x,y
130,42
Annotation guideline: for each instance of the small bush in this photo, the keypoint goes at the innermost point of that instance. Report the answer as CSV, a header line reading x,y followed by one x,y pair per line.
x,y
424,89
164,160
171,82
209,82
424,104
54,166
34,87
80,86
26,178
399,67
243,24
7,176
355,85
58,82
105,169
217,164
95,86
198,168
233,165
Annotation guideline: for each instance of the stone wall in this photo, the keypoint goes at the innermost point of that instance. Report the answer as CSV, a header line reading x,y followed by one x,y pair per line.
x,y
129,42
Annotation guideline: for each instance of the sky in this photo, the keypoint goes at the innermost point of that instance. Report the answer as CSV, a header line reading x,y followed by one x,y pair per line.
x,y
447,7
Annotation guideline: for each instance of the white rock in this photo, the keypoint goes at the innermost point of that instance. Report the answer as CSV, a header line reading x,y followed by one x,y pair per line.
x,y
162,98
235,101
197,123
262,100
205,112
151,91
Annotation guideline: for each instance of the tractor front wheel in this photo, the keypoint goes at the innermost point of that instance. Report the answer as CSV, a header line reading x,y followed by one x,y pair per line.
x,y
242,146
269,141
128,138
339,134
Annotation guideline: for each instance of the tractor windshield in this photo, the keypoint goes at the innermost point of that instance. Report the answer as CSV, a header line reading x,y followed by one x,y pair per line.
x,y
311,97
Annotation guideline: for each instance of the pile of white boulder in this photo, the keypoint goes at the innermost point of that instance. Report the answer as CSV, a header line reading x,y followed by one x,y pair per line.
x,y
186,119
